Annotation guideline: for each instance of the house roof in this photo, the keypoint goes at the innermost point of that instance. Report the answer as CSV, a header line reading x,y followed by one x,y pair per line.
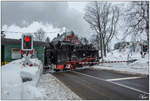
x,y
64,36
18,42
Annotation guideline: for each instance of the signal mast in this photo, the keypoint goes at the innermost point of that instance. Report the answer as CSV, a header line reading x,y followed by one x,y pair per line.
x,y
27,48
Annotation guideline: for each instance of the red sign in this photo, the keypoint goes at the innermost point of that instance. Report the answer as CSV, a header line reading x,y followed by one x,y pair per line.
x,y
22,52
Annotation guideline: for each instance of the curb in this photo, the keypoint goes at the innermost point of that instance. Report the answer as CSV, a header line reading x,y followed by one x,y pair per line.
x,y
61,83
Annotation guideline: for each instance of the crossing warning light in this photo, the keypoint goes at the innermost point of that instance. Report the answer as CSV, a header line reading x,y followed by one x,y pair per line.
x,y
27,39
27,42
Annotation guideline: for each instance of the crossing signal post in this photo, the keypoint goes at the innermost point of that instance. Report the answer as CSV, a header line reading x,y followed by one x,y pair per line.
x,y
27,48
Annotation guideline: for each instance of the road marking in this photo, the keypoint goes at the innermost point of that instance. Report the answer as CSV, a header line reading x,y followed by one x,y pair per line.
x,y
134,89
129,87
89,75
127,78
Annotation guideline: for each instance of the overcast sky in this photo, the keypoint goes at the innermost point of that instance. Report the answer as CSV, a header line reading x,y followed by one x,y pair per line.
x,y
59,14
52,16
56,14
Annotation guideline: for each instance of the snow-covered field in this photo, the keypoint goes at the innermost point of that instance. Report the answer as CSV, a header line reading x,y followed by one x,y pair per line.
x,y
40,87
141,66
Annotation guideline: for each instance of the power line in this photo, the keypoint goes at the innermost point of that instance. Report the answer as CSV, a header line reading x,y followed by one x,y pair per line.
x,y
26,32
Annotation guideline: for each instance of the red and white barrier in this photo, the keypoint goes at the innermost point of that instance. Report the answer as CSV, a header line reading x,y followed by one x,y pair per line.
x,y
88,63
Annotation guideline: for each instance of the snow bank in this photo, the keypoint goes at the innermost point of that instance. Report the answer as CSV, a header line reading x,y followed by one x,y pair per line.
x,y
117,55
11,82
12,75
124,68
38,87
31,92
138,67
52,89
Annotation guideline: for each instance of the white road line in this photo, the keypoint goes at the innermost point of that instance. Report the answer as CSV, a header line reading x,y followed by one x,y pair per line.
x,y
129,87
127,78
134,89
89,76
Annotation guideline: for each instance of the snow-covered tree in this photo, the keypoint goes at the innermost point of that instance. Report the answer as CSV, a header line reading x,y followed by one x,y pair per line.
x,y
103,18
137,17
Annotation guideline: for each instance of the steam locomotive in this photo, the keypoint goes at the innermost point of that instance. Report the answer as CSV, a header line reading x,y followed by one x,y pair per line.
x,y
69,53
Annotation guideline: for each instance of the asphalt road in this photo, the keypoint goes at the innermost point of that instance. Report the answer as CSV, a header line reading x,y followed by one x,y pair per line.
x,y
105,85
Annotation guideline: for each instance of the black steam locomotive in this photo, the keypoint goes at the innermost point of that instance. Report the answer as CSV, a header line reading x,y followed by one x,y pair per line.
x,y
65,54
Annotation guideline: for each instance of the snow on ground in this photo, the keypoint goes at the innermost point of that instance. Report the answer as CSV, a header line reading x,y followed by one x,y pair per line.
x,y
12,84
54,89
141,66
40,87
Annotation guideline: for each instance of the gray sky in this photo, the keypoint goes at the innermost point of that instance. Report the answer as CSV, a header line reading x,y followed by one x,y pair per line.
x,y
59,14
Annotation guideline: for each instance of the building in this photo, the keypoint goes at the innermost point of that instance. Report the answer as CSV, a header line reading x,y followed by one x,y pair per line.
x,y
67,37
72,38
136,46
122,45
10,50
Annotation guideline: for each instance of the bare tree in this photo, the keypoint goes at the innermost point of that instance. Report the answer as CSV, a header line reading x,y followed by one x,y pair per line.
x,y
103,18
137,17
39,35
2,34
94,41
84,41
47,40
